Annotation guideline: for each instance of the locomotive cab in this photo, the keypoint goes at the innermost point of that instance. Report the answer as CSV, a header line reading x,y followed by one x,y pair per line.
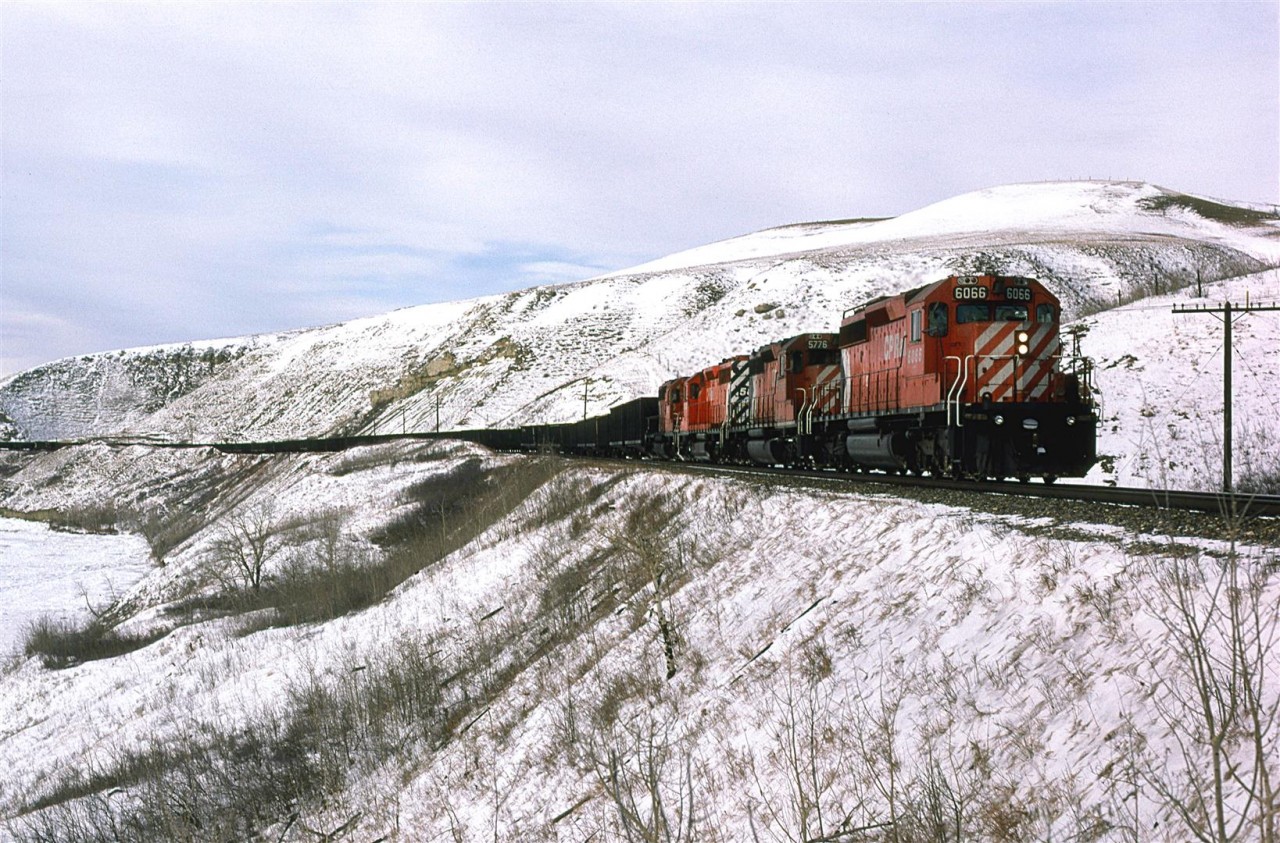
x,y
672,418
965,377
707,408
1004,386
794,383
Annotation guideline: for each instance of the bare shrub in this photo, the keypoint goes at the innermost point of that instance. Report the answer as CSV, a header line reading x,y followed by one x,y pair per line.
x,y
1257,459
1215,692
247,541
565,602
61,643
801,780
438,502
90,518
326,575
449,510
165,531
205,786
653,555
218,785
645,768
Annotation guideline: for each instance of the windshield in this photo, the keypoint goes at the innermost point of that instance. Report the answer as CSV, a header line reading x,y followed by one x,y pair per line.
x,y
1011,313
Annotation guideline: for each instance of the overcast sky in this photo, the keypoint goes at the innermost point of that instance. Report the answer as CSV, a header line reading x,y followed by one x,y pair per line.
x,y
176,171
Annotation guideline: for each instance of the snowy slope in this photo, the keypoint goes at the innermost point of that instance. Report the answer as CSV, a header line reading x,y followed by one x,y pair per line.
x,y
1009,659
1160,375
526,356
1023,663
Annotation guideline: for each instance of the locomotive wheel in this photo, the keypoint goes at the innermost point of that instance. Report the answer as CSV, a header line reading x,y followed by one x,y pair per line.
x,y
1024,478
1050,479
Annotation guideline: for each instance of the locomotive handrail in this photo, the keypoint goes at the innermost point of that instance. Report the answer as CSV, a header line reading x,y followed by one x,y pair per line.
x,y
957,389
728,413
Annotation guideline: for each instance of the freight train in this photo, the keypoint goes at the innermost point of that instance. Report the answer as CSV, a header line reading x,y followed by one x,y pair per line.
x,y
965,377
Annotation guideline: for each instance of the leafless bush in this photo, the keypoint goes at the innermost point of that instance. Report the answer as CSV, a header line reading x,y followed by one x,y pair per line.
x,y
216,785
91,518
801,789
1215,692
61,643
247,541
450,509
652,554
645,767
165,531
567,601
1257,459
198,785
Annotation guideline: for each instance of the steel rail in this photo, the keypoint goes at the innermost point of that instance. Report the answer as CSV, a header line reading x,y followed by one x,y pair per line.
x,y
1239,503
1224,503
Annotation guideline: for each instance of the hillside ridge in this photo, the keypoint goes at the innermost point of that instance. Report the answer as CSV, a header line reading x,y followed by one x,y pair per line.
x,y
525,356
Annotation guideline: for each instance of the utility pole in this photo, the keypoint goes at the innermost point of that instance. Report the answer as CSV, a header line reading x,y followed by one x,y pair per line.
x,y
1228,313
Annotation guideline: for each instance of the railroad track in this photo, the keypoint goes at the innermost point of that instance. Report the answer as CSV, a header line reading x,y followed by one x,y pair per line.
x,y
1218,503
1214,503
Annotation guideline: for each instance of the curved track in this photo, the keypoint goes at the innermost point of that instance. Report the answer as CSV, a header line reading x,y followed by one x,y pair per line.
x,y
1219,503
1238,504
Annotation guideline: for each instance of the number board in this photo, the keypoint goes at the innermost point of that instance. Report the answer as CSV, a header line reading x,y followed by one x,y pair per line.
x,y
1018,293
975,292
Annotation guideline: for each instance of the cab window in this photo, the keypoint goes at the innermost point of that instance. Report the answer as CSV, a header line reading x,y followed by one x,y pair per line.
x,y
795,361
1011,313
1044,314
937,319
694,391
917,318
966,313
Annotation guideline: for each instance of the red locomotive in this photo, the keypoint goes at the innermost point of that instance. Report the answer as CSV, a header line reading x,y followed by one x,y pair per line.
x,y
963,377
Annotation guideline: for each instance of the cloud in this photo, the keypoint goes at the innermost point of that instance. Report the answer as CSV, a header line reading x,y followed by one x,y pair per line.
x,y
174,172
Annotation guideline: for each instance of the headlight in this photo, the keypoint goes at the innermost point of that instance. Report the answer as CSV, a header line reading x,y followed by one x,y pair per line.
x,y
1022,336
1071,421
1030,424
1022,349
998,419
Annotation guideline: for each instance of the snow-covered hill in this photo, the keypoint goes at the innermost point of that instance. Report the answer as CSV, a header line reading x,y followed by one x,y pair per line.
x,y
769,662
443,643
531,355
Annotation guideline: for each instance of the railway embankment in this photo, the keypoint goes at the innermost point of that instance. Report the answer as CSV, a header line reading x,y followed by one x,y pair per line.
x,y
423,639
